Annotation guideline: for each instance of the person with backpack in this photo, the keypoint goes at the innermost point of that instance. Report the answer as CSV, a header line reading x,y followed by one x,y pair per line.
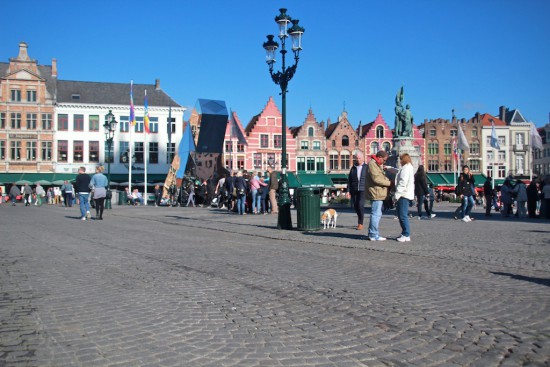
x,y
466,191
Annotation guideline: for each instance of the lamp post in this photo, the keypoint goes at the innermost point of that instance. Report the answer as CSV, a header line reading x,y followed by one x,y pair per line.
x,y
109,128
282,78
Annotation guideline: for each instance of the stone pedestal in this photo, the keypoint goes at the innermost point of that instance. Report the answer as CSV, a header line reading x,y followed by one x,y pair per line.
x,y
401,146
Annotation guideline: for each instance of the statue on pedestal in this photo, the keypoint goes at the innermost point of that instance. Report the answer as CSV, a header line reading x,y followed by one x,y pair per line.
x,y
403,117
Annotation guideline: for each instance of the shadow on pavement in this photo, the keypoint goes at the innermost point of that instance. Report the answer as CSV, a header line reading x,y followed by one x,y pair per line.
x,y
541,281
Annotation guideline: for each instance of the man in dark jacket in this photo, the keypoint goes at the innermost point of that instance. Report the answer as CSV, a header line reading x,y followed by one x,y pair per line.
x,y
14,193
229,185
82,188
356,186
466,190
273,187
488,194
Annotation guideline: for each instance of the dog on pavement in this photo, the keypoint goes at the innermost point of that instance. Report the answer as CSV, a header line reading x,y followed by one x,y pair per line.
x,y
329,217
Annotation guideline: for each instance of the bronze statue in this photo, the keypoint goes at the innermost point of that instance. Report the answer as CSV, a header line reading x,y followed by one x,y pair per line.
x,y
403,117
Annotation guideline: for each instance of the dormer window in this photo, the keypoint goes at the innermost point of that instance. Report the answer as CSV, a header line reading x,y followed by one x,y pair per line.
x,y
75,97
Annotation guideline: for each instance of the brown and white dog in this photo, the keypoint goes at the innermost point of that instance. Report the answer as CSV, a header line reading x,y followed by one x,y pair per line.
x,y
328,217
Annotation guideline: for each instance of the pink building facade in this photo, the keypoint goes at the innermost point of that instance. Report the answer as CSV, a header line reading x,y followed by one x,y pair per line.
x,y
311,145
376,136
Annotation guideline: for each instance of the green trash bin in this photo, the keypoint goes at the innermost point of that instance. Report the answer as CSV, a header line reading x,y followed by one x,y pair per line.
x,y
308,208
122,198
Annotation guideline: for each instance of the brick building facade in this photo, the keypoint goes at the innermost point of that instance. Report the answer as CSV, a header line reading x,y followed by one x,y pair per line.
x,y
311,145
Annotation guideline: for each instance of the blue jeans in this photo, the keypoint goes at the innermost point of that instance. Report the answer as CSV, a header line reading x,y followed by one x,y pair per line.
x,y
84,203
255,201
402,209
467,205
376,214
240,203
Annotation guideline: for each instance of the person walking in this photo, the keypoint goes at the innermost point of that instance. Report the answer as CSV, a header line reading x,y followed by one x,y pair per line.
x,y
229,185
240,186
404,193
14,193
99,183
521,199
466,191
191,193
67,189
158,194
40,194
27,193
273,187
506,191
488,193
377,185
256,189
532,198
82,188
422,192
356,186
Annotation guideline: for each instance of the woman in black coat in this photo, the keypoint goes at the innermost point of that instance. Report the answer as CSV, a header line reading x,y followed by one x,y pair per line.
x,y
422,192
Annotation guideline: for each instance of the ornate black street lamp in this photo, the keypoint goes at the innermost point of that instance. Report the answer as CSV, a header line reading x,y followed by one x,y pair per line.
x,y
109,128
282,78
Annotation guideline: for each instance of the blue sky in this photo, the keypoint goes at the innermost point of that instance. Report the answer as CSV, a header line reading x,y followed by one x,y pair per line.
x,y
470,55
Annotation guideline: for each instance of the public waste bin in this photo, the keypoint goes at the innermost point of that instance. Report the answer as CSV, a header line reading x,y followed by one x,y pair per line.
x,y
309,209
122,198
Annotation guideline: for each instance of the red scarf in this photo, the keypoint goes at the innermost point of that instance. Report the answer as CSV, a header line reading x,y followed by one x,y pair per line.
x,y
377,160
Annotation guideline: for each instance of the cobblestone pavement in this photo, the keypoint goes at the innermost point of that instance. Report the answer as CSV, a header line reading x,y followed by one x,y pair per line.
x,y
202,287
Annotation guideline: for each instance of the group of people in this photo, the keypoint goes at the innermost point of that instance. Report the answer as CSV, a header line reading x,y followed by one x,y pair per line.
x,y
371,182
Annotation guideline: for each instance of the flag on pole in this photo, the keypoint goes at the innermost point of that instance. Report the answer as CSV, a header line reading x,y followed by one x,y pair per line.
x,y
462,142
455,150
132,112
536,140
494,138
146,115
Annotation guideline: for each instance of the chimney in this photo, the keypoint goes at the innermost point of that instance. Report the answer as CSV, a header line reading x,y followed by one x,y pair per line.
x,y
54,68
23,55
157,84
502,113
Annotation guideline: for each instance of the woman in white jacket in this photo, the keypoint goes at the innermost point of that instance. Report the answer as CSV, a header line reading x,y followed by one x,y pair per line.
x,y
404,194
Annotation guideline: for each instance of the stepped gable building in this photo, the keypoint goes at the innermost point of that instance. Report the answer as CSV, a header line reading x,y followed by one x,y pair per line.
x,y
311,145
342,142
440,138
27,102
264,138
235,147
376,136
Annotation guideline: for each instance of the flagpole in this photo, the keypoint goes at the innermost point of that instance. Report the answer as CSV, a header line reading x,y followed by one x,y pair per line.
x,y
131,127
145,112
494,166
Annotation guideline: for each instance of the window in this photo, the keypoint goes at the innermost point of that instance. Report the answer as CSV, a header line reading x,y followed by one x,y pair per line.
x,y
301,164
474,133
264,141
520,164
139,125
154,125
153,153
257,160
277,141
447,166
228,146
93,122
345,141
490,155
125,151
193,130
310,131
433,131
15,119
310,164
320,161
62,150
502,155
15,95
520,139
75,97
501,171
474,148
46,121
31,96
316,145
124,124
433,165
78,122
454,132
93,147
357,143
379,132
333,144
304,145
240,148
433,148
229,162
333,161
2,149
46,150
271,159
447,149
474,165
345,161
170,152
502,140
15,150
78,151
138,150
62,122
2,120
31,121
374,147
31,150
240,162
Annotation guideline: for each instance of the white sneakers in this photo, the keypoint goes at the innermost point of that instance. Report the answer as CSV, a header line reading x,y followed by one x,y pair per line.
x,y
403,239
88,215
466,219
379,238
432,215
